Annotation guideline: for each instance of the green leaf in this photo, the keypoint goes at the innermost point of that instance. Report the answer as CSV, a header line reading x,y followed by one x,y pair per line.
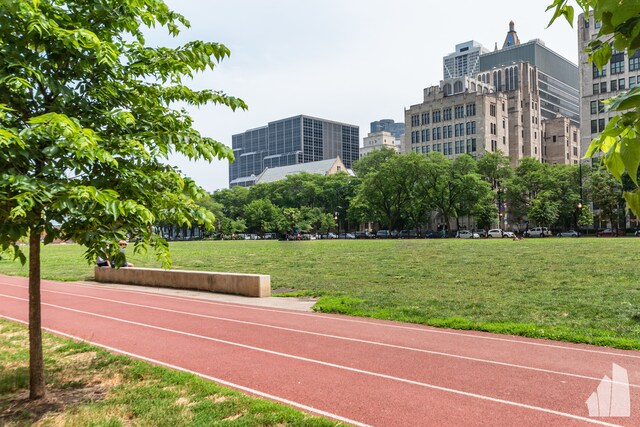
x,y
601,55
633,201
630,153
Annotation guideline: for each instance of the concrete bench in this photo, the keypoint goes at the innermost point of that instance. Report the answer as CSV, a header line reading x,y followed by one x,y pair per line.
x,y
251,285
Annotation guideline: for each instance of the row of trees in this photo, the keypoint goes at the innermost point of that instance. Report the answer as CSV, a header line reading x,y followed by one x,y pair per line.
x,y
415,191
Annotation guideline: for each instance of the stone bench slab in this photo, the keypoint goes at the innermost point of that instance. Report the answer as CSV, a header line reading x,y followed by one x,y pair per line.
x,y
251,285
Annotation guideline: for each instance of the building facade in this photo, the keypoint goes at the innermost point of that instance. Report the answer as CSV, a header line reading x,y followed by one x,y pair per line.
x,y
295,140
379,140
561,141
388,125
465,61
468,115
620,74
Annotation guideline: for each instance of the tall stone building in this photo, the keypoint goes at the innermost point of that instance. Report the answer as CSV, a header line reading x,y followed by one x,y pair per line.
x,y
620,74
300,139
379,140
560,141
469,115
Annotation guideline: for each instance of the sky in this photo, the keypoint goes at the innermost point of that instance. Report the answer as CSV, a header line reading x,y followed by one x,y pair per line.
x,y
351,61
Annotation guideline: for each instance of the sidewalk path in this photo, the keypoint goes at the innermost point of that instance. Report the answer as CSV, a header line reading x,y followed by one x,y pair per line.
x,y
359,371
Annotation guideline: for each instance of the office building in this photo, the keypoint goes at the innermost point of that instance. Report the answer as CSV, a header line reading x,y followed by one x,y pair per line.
x,y
465,61
291,141
379,140
620,74
388,125
558,80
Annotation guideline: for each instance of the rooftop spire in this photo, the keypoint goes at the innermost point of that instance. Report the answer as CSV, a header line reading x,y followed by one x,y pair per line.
x,y
512,37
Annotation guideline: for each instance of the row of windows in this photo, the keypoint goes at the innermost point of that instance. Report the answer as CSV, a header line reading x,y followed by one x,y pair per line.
x,y
445,132
614,85
616,65
443,115
597,126
447,148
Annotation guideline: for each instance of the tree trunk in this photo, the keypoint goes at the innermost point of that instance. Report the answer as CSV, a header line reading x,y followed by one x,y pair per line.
x,y
36,365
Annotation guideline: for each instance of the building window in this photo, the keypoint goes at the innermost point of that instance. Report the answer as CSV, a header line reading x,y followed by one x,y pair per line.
x,y
439,130
603,87
492,110
597,25
446,113
575,136
617,63
600,125
614,85
596,88
415,120
594,126
471,128
436,116
471,110
553,138
600,107
621,84
459,112
425,119
632,82
471,145
597,73
634,61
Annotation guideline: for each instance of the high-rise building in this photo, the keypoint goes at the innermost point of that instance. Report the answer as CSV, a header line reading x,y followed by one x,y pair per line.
x,y
465,61
299,139
557,77
388,125
620,74
558,81
379,140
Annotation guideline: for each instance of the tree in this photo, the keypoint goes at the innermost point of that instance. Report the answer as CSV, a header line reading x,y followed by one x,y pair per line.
x,y
86,120
606,194
544,210
372,161
263,216
619,143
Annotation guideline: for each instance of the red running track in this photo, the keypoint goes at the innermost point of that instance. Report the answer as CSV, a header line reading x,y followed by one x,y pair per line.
x,y
359,371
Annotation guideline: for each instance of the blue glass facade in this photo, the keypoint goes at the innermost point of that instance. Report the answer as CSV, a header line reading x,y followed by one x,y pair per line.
x,y
299,139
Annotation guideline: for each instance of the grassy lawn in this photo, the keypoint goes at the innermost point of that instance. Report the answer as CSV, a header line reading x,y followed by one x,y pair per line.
x,y
88,386
580,290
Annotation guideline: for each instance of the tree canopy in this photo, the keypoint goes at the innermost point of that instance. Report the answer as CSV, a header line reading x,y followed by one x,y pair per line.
x,y
88,118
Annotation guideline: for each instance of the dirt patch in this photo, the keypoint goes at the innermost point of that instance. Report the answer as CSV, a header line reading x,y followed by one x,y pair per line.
x,y
56,401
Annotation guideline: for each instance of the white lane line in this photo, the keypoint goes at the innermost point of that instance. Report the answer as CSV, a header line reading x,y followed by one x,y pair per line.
x,y
207,377
329,316
340,337
334,365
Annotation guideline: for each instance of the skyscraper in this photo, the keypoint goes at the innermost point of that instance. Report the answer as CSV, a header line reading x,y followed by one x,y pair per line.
x,y
299,139
621,73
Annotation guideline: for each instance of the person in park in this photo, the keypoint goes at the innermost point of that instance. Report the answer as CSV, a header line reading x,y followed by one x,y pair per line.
x,y
104,262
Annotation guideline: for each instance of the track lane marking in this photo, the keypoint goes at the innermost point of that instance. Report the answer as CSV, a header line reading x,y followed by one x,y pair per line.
x,y
336,366
330,316
298,405
339,337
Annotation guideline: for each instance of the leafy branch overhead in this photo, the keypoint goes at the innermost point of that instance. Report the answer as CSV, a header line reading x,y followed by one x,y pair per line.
x,y
619,143
88,119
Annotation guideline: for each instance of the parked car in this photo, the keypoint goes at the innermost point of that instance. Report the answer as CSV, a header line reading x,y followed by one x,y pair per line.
x,y
608,232
466,234
496,232
328,236
637,233
347,236
383,234
434,235
408,234
269,236
537,232
508,234
570,233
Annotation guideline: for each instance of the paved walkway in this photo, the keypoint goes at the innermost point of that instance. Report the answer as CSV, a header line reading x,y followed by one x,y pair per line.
x,y
360,371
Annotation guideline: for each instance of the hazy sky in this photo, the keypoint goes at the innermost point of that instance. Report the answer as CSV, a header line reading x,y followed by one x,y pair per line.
x,y
353,61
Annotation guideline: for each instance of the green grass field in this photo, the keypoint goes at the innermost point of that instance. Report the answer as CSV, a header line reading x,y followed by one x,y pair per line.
x,y
580,290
